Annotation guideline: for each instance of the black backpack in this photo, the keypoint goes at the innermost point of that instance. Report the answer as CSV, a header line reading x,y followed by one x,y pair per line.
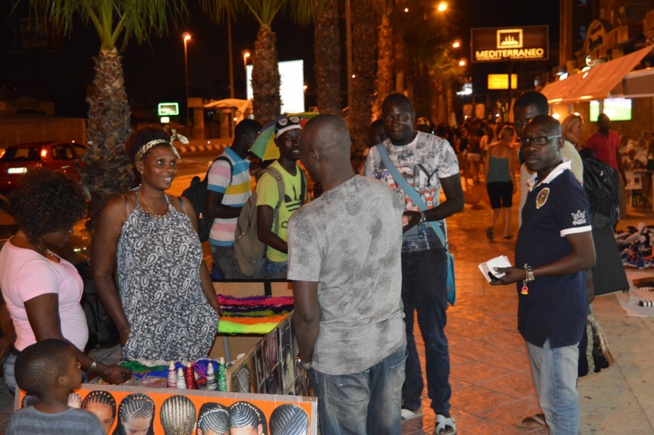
x,y
102,331
196,193
602,187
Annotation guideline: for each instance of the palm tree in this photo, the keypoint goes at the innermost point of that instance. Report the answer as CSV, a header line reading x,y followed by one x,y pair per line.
x,y
363,85
445,73
385,57
327,48
265,72
107,170
425,36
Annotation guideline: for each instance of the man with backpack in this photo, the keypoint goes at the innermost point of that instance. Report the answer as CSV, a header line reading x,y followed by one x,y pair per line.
x,y
228,188
274,212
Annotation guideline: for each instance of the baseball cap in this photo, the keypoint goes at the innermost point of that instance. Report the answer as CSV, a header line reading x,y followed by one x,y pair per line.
x,y
287,123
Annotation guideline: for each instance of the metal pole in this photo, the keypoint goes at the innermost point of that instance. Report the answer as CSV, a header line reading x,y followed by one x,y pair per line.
x,y
186,37
231,57
246,55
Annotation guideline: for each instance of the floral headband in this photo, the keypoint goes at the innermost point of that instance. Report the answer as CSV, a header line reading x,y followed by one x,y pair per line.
x,y
145,148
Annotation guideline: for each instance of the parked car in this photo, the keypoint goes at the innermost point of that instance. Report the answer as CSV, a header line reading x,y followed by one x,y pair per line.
x,y
16,160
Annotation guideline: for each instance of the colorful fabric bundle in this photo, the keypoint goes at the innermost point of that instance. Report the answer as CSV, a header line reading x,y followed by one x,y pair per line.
x,y
252,315
256,301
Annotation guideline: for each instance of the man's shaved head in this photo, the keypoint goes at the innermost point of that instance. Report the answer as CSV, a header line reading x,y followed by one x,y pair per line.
x,y
329,135
325,146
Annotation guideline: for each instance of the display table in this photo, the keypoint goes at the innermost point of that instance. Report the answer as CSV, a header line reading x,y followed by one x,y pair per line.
x,y
265,378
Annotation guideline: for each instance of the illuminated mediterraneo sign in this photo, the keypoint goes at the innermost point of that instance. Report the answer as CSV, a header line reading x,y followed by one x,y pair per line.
x,y
494,44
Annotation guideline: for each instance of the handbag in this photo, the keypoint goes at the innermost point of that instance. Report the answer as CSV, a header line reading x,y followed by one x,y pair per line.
x,y
415,197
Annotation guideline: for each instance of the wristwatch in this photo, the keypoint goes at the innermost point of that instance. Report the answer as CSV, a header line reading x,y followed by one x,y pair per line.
x,y
423,218
300,363
529,277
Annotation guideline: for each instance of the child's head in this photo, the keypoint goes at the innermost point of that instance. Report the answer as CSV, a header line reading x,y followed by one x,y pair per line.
x,y
177,415
213,419
289,419
102,404
47,366
246,419
136,415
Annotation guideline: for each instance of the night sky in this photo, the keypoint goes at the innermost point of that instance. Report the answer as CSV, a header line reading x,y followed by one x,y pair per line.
x,y
154,72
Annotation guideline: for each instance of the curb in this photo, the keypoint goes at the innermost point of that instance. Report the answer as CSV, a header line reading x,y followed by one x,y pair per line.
x,y
199,148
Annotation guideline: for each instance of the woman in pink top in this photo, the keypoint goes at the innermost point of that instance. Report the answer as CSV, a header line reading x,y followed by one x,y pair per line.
x,y
41,290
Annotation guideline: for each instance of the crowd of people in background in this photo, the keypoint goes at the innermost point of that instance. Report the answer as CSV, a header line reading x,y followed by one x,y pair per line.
x,y
631,157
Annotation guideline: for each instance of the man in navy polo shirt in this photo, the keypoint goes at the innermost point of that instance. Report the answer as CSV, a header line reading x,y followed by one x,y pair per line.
x,y
553,250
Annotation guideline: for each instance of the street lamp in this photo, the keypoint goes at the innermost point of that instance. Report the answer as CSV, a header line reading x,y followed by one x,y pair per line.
x,y
456,44
463,62
246,55
186,37
441,7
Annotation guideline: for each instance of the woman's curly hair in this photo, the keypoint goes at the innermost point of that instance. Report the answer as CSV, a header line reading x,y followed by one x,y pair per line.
x,y
142,136
45,202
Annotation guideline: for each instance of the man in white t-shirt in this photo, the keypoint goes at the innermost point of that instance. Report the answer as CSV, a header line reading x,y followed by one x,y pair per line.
x,y
428,163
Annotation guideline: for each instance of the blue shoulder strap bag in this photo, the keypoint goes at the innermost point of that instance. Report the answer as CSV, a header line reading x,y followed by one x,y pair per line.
x,y
415,197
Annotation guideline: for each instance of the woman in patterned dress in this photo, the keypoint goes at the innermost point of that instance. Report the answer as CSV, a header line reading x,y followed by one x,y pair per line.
x,y
162,301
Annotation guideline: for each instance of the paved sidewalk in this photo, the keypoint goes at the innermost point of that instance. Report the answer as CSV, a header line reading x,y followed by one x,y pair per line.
x,y
491,379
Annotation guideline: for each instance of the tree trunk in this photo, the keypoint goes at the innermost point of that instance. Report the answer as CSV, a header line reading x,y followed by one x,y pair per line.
x,y
328,56
108,170
421,103
400,65
363,56
439,111
265,76
385,64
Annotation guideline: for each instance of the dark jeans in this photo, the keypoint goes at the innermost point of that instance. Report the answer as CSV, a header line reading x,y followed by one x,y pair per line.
x,y
424,291
367,402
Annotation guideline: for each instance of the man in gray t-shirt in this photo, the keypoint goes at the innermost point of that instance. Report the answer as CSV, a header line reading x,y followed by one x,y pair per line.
x,y
345,264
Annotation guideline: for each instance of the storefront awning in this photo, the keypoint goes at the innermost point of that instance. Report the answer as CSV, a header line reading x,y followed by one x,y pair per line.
x,y
597,83
636,84
241,105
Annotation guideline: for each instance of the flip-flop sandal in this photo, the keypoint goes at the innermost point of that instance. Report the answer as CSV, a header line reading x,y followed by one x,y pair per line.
x,y
534,422
509,237
489,233
445,425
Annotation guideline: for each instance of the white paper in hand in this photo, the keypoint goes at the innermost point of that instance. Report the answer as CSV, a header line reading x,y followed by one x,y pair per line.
x,y
490,265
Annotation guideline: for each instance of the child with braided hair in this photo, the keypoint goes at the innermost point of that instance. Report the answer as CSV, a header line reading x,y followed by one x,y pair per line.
x,y
213,419
103,405
177,416
135,415
246,419
289,419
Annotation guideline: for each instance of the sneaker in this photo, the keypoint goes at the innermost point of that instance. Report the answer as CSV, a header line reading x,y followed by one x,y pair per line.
x,y
408,414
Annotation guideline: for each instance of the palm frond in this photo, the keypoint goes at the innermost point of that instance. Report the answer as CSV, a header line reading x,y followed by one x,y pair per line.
x,y
112,19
